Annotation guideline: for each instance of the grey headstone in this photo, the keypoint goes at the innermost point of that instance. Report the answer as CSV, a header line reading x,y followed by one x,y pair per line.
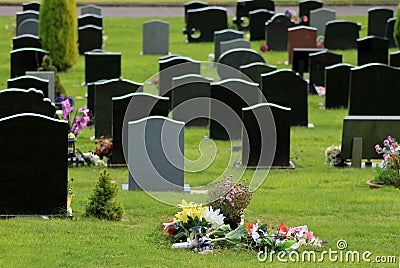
x,y
205,21
34,189
258,18
28,26
155,37
91,9
190,102
337,84
104,91
102,66
48,76
26,41
29,14
276,32
377,19
341,35
236,58
368,84
90,19
372,49
232,44
356,152
90,37
319,17
266,136
29,81
372,129
224,35
156,154
16,101
132,107
173,67
254,70
278,85
228,97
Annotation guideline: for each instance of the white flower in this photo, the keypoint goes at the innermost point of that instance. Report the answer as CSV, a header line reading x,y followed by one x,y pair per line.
x,y
213,217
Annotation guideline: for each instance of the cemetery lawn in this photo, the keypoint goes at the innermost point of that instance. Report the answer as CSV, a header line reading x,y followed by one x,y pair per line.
x,y
334,203
214,2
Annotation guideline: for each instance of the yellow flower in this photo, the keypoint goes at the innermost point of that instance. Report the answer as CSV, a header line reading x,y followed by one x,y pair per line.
x,y
189,209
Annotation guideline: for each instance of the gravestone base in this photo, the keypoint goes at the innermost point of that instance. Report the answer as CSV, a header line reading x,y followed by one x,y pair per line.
x,y
76,161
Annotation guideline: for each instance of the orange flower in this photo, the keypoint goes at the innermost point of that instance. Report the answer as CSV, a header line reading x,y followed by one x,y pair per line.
x,y
249,227
283,228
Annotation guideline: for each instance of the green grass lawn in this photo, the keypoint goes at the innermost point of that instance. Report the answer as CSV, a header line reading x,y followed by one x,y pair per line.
x,y
233,2
334,203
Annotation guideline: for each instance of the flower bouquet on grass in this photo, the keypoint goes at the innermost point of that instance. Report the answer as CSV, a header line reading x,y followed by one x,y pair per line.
x,y
264,238
202,228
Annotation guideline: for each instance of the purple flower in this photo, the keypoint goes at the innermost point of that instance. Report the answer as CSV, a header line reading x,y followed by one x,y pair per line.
x,y
66,109
378,148
385,143
390,138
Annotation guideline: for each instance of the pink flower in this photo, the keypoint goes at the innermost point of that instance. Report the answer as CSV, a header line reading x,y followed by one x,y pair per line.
x,y
385,143
378,148
264,47
390,138
305,18
309,235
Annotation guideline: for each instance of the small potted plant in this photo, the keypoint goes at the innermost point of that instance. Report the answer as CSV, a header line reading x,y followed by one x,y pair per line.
x,y
231,198
389,173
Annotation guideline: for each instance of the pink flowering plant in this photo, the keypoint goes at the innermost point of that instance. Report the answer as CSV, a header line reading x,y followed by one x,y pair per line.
x,y
389,174
80,120
231,198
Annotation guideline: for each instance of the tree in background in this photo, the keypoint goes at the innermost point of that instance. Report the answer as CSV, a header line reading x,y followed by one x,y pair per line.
x,y
396,32
58,31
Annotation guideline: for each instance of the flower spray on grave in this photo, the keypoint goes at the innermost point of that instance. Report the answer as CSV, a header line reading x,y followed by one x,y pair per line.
x,y
231,198
389,173
70,194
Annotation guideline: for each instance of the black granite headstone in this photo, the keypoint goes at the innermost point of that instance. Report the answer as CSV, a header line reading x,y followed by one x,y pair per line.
x,y
258,18
16,100
301,61
337,84
305,7
395,58
21,16
29,81
100,66
90,19
26,41
372,49
389,30
235,58
266,136
243,7
173,67
39,186
372,129
286,88
90,37
203,22
131,107
190,100
193,5
228,97
276,32
318,62
103,93
373,88
35,6
341,35
224,35
377,19
254,70
91,9
26,59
